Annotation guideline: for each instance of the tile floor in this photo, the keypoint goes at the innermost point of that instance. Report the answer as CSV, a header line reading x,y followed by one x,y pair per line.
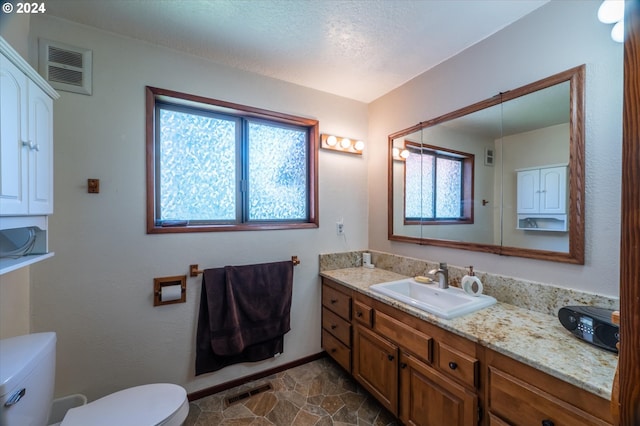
x,y
319,393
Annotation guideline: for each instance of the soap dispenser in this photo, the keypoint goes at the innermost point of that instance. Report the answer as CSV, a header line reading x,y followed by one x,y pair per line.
x,y
471,284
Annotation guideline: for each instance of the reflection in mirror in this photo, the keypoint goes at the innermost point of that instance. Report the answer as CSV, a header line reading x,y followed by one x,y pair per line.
x,y
518,188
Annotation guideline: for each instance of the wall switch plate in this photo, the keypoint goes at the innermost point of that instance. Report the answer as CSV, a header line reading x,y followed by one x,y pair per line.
x,y
93,186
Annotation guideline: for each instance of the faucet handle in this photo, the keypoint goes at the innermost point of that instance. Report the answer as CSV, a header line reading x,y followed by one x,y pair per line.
x,y
443,265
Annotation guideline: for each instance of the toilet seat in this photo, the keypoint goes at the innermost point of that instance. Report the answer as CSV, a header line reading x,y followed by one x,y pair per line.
x,y
147,405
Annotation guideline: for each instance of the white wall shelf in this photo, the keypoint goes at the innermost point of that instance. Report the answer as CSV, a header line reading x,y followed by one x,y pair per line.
x,y
8,264
555,223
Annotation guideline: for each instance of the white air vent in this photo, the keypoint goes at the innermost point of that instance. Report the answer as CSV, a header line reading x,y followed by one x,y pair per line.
x,y
66,67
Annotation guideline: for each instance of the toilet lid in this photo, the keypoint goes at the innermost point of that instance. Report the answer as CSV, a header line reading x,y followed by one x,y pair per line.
x,y
146,405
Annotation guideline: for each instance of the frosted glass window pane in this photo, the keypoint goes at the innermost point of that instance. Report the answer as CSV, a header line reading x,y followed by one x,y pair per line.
x,y
277,173
448,188
419,186
430,193
197,167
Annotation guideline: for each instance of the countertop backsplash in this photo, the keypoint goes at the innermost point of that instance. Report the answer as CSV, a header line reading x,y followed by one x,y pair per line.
x,y
535,296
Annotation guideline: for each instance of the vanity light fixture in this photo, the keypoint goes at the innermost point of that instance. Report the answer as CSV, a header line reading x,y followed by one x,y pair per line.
x,y
340,144
400,154
612,12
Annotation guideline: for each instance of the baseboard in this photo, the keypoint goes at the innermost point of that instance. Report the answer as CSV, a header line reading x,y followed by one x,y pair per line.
x,y
233,383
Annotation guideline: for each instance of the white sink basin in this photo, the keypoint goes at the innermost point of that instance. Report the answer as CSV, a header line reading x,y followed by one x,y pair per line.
x,y
444,303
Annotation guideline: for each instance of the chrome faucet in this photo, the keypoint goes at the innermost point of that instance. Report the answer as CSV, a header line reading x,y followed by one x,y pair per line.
x,y
443,275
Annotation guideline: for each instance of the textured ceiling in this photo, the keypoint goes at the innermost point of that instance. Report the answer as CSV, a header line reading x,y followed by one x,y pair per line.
x,y
360,49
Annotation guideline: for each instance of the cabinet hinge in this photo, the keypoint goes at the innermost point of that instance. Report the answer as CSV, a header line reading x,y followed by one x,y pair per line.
x,y
479,414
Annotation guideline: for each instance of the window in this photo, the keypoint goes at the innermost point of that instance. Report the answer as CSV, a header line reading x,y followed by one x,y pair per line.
x,y
217,166
438,185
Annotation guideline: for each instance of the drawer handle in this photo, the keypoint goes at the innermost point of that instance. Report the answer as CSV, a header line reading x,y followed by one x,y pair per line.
x,y
390,357
453,366
334,301
333,326
547,423
359,314
334,350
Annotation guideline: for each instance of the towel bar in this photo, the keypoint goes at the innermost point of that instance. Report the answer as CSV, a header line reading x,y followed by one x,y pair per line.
x,y
194,271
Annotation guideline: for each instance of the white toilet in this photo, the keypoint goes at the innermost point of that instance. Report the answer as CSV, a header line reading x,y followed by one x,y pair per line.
x,y
27,373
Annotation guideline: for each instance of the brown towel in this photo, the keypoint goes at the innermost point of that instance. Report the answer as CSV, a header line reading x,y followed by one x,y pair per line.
x,y
244,314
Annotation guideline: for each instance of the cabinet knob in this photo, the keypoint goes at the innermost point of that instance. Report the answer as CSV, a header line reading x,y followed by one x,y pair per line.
x,y
390,357
547,423
359,314
333,326
334,301
334,350
35,147
403,365
453,366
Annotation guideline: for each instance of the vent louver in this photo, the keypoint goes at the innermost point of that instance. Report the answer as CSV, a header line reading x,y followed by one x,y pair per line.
x,y
66,67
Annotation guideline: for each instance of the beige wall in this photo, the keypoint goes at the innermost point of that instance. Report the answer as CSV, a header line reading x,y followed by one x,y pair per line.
x,y
14,28
558,36
14,303
96,293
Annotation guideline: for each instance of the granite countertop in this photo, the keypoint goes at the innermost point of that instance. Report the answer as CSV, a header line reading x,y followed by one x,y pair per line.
x,y
533,338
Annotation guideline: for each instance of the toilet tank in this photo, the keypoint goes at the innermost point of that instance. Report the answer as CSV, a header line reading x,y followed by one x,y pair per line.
x,y
27,376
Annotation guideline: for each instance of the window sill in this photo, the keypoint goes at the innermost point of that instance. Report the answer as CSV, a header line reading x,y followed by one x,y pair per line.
x,y
230,228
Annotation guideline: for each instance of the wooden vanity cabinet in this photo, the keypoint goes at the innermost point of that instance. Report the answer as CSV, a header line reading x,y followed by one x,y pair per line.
x,y
517,394
394,360
427,376
336,323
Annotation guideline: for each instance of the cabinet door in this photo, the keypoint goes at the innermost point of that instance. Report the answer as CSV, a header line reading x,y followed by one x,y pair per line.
x,y
529,191
375,366
13,131
41,151
553,190
428,398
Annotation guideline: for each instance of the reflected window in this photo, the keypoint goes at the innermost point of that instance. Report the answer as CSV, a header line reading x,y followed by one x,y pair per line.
x,y
438,185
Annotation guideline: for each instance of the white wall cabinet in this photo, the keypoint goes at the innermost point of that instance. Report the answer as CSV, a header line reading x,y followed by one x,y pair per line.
x,y
542,198
26,144
26,149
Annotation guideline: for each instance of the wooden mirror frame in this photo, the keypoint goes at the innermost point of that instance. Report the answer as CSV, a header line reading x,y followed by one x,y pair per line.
x,y
576,77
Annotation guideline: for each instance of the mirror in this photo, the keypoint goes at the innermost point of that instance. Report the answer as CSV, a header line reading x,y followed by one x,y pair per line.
x,y
504,175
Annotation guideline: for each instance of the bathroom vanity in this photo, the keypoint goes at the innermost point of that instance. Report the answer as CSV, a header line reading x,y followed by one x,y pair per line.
x,y
503,365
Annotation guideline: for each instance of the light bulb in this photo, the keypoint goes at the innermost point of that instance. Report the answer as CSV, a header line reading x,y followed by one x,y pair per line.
x,y
404,154
332,140
345,143
617,32
395,152
359,146
611,11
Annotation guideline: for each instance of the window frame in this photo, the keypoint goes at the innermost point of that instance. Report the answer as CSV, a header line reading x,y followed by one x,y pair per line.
x,y
154,94
466,190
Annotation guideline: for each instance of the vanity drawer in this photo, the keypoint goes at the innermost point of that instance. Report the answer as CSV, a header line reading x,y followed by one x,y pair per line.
x,y
336,350
340,328
404,335
519,403
363,313
458,365
338,302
